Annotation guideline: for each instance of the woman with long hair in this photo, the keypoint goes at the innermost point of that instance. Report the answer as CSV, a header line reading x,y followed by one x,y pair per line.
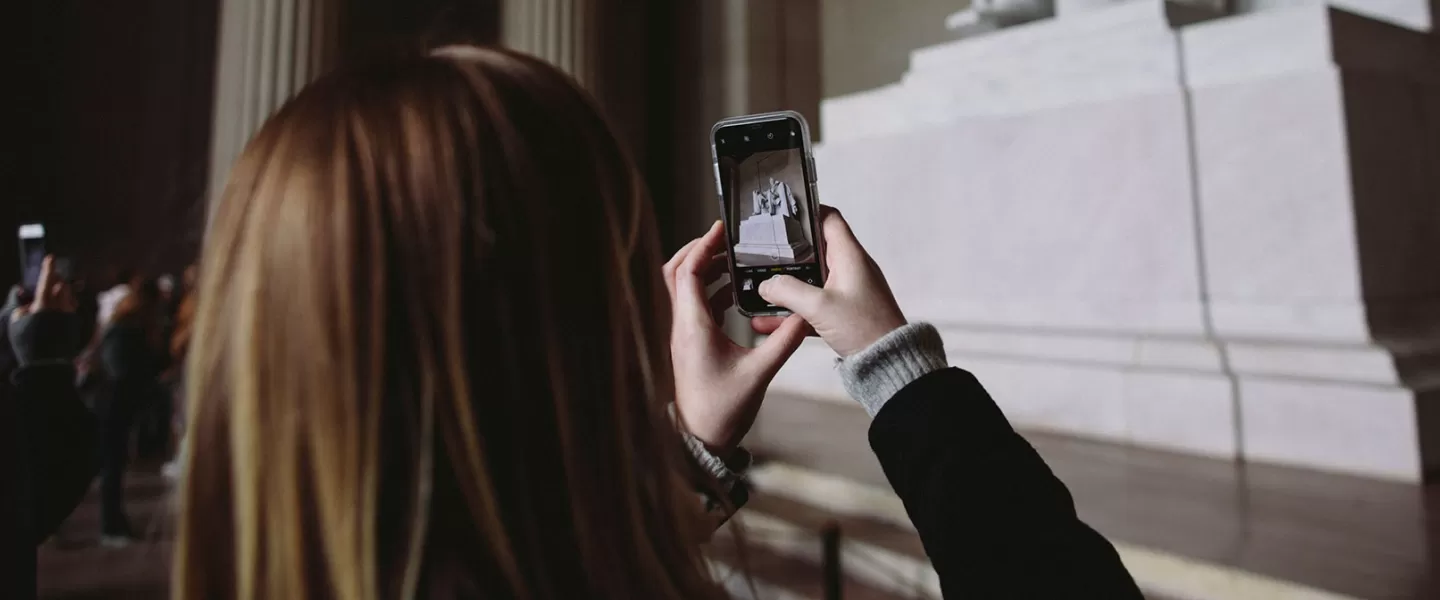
x,y
436,355
133,353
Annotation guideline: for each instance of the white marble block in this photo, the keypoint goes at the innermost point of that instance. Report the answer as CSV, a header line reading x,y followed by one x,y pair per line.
x,y
1315,154
774,237
1050,226
1214,236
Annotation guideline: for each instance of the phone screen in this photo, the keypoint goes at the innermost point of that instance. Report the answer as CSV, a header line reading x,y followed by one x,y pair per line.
x,y
32,254
770,219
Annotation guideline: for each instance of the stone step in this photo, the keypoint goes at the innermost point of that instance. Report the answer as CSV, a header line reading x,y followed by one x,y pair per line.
x,y
1186,527
1117,51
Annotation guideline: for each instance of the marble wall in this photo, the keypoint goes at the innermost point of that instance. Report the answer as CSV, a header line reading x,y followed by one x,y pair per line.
x,y
1150,225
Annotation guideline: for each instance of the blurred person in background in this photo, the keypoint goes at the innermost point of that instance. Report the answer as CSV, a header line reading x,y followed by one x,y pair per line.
x,y
184,322
152,424
133,353
166,283
47,447
108,300
436,355
7,356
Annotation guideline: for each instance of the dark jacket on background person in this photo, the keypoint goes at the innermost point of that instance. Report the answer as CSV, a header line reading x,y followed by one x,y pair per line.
x,y
133,360
48,443
994,520
127,354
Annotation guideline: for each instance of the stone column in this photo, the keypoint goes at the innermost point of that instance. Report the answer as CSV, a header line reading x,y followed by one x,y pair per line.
x,y
269,49
608,46
605,45
562,32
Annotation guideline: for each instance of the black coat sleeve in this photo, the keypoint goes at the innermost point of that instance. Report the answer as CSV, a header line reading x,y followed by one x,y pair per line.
x,y
60,438
993,518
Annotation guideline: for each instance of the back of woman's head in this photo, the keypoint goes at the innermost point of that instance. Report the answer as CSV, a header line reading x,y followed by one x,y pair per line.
x,y
430,352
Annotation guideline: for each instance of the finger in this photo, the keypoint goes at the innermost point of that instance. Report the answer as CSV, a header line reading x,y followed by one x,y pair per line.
x,y
689,288
721,301
780,345
668,271
47,275
799,297
766,325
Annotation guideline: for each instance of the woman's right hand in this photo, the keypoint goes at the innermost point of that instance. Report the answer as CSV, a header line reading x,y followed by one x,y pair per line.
x,y
853,310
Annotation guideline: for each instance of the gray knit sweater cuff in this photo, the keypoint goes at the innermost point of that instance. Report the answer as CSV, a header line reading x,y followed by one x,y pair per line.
x,y
726,474
875,374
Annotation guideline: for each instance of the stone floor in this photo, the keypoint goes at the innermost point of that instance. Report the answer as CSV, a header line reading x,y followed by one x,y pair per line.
x,y
1355,537
73,566
1346,535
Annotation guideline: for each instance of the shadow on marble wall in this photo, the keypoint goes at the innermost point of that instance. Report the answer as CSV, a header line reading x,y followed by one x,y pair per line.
x,y
1393,126
1394,129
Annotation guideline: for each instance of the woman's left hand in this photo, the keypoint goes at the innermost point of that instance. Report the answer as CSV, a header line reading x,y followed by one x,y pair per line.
x,y
44,329
719,384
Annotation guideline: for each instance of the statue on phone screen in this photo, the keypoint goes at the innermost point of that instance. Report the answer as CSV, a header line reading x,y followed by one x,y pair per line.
x,y
773,233
777,199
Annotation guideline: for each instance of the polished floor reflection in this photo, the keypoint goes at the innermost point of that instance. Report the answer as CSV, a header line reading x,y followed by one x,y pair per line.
x,y
1353,536
74,566
1358,537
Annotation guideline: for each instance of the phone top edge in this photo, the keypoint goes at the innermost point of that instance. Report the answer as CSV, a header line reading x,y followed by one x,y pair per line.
x,y
30,231
761,118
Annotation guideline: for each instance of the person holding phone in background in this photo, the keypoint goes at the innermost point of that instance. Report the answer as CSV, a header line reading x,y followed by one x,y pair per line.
x,y
49,440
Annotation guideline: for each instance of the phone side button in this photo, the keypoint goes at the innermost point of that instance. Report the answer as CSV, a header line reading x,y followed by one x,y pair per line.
x,y
811,160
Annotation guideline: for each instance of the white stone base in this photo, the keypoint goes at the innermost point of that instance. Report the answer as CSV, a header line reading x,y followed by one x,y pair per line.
x,y
772,239
1217,238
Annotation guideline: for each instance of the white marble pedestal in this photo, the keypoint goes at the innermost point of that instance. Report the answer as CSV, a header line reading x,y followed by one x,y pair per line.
x,y
771,239
1144,224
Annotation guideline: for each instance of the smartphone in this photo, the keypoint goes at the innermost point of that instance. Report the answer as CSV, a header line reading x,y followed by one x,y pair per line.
x,y
765,175
32,254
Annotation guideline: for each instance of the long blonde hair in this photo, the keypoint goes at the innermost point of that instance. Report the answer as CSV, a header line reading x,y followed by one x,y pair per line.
x,y
430,355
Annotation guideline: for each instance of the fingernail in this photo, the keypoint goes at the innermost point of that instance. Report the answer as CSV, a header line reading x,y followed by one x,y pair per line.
x,y
715,225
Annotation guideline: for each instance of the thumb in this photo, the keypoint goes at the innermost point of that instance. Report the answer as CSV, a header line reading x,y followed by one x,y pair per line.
x,y
799,297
